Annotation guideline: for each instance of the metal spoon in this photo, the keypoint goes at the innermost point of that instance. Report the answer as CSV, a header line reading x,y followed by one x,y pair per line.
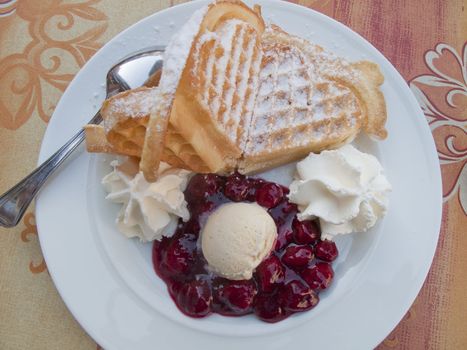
x,y
131,72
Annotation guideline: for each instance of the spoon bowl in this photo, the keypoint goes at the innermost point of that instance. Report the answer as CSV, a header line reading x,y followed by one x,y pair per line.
x,y
135,70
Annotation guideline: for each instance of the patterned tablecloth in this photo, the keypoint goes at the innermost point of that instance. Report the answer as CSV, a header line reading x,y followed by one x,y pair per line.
x,y
43,44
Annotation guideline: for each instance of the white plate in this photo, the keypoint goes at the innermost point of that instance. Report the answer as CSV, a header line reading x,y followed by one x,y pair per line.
x,y
108,282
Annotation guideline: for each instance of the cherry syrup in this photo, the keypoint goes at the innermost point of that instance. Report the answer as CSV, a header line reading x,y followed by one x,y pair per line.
x,y
289,280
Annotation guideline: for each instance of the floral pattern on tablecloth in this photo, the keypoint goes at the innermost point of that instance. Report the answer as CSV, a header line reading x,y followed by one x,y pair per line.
x,y
57,49
30,232
442,95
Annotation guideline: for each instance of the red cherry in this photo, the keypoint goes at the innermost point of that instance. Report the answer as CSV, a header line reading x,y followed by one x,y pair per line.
x,y
289,208
194,299
202,186
297,256
192,226
236,297
179,256
305,232
319,276
174,288
284,238
270,273
236,187
253,184
200,209
296,296
269,195
326,250
269,309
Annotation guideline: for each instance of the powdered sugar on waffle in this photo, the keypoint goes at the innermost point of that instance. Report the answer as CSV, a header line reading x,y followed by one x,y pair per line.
x,y
226,72
175,59
298,95
176,53
226,41
249,73
231,79
136,104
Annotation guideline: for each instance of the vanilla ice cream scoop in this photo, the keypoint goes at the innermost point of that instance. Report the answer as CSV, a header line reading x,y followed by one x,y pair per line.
x,y
236,238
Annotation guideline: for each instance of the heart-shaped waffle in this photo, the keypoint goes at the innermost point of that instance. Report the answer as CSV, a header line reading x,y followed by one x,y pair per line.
x,y
236,95
309,100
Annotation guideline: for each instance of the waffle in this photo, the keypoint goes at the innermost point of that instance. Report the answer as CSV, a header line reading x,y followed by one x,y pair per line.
x,y
123,129
208,87
309,100
234,95
125,117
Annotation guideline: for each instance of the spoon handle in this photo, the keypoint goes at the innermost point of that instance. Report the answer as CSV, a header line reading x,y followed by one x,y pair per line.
x,y
15,201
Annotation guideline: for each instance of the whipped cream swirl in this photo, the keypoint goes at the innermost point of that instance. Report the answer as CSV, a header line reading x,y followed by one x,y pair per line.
x,y
345,188
149,210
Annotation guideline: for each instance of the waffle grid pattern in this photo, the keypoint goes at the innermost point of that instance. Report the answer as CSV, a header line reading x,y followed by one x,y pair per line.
x,y
227,68
292,109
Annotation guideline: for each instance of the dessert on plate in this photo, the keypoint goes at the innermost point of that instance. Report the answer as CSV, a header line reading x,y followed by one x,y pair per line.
x,y
238,96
